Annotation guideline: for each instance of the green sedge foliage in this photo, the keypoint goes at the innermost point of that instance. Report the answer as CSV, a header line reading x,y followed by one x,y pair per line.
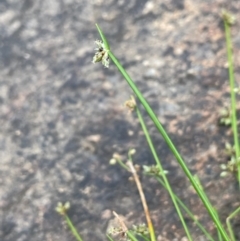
x,y
167,139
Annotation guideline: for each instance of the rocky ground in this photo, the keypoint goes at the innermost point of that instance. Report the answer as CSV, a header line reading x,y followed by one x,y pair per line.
x,y
62,117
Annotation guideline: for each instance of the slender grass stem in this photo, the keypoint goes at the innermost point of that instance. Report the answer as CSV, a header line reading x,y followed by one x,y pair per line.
x,y
131,236
166,138
72,228
124,166
109,237
232,215
168,187
190,214
233,96
219,234
143,199
144,237
200,185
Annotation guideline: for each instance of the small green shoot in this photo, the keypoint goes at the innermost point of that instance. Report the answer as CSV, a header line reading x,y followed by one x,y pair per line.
x,y
62,210
229,20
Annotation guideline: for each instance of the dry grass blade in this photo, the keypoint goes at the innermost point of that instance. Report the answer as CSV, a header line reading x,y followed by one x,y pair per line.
x,y
143,200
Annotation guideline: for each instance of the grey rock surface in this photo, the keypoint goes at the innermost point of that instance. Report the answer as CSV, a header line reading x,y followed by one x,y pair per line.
x,y
62,118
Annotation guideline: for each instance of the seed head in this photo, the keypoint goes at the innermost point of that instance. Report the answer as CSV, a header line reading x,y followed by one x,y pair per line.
x,y
101,54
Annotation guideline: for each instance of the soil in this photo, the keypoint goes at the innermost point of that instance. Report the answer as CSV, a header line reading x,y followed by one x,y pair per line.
x,y
62,117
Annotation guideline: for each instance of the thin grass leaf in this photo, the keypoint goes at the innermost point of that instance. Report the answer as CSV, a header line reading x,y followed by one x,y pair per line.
x,y
168,187
131,236
219,234
72,228
144,237
232,215
106,44
190,214
175,152
233,95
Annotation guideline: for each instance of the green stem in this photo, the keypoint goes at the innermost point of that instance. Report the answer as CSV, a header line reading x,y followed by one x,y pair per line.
x,y
131,236
109,237
233,96
185,208
232,215
219,234
72,228
151,146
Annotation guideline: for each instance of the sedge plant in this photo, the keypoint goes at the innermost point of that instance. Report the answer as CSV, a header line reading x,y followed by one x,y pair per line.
x,y
160,174
104,54
107,54
234,163
62,210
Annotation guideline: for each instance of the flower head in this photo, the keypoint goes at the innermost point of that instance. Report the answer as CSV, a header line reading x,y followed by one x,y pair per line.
x,y
101,54
62,208
130,104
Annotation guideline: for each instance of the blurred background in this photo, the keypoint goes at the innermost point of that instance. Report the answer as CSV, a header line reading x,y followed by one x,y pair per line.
x,y
62,117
